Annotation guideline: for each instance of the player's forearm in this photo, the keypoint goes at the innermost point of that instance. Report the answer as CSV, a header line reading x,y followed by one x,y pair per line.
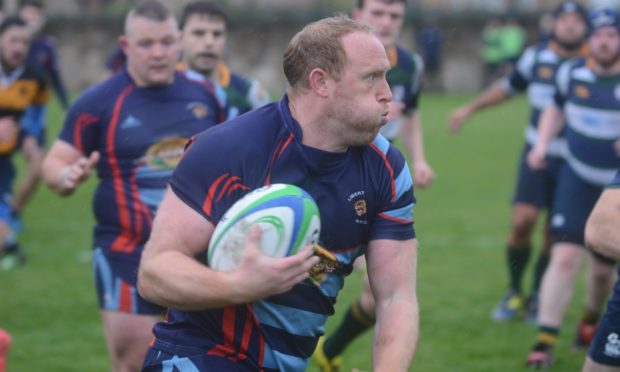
x,y
396,335
490,97
34,157
412,137
173,279
550,124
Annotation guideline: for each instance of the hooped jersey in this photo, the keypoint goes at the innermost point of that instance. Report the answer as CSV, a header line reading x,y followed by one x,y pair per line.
x,y
363,194
140,133
535,73
591,104
405,81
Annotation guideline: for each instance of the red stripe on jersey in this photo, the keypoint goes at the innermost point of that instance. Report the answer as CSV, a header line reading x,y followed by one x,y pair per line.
x,y
247,333
344,250
288,141
120,244
390,170
237,186
261,339
273,159
208,204
81,122
137,204
226,185
227,348
394,219
125,302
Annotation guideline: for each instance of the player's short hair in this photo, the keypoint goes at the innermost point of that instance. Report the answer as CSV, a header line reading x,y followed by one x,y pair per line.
x,y
153,10
202,8
319,45
360,3
9,22
33,3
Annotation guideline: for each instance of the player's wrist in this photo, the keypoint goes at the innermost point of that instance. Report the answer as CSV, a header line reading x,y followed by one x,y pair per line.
x,y
61,183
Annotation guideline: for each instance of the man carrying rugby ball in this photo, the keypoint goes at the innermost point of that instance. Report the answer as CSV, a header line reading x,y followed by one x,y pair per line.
x,y
322,137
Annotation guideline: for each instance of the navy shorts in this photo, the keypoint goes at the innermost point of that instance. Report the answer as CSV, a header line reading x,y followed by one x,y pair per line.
x,y
536,187
605,347
573,202
115,280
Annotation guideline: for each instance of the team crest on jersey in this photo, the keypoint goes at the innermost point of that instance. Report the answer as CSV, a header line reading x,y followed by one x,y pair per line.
x,y
199,109
166,153
360,207
327,263
545,72
582,91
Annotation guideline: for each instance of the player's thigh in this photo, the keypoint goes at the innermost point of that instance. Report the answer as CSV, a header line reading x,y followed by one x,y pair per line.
x,y
126,331
573,201
116,283
592,366
605,347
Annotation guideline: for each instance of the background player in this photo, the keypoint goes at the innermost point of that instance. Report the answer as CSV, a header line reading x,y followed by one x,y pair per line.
x,y
534,73
132,128
588,103
386,17
203,34
603,236
322,137
43,52
22,90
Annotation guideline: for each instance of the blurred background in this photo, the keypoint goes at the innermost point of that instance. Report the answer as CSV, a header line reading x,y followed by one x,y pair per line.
x,y
449,33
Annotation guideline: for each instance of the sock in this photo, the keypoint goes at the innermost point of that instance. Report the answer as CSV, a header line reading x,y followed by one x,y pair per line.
x,y
590,317
539,271
517,261
547,337
355,322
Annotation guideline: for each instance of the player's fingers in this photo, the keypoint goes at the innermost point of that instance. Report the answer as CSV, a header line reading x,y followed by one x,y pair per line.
x,y
252,245
93,159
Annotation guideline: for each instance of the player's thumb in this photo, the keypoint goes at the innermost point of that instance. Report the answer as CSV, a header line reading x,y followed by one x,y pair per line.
x,y
93,159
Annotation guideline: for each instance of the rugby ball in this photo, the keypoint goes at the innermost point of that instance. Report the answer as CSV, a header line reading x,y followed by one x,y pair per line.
x,y
287,216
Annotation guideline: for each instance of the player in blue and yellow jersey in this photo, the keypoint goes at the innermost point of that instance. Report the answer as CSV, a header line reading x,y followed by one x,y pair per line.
x,y
323,137
22,90
603,236
132,128
386,17
43,53
203,32
534,73
587,104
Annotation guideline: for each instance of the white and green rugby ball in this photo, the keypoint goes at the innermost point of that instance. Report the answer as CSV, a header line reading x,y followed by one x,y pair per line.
x,y
287,216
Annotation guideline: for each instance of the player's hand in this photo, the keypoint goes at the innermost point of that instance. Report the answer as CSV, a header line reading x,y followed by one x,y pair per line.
x,y
617,147
536,158
259,276
423,174
8,129
73,175
458,117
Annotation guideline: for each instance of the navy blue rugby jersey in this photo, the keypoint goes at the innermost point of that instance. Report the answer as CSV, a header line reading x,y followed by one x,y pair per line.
x,y
140,133
591,104
363,194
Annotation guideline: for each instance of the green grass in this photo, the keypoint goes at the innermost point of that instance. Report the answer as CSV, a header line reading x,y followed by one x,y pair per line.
x,y
49,305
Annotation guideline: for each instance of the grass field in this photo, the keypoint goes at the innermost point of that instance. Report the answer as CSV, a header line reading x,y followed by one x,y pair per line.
x,y
49,305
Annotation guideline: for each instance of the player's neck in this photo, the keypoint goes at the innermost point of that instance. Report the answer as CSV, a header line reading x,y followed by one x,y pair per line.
x,y
314,125
603,70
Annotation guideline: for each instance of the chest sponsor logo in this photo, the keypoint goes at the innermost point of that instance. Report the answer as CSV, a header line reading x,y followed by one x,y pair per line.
x,y
198,109
582,91
545,72
130,122
166,153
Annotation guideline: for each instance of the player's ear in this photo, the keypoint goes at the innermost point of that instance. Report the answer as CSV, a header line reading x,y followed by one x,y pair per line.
x,y
122,41
318,81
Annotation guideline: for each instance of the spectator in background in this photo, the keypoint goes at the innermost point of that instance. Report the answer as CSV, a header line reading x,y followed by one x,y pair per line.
x,y
512,40
492,50
431,44
43,51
